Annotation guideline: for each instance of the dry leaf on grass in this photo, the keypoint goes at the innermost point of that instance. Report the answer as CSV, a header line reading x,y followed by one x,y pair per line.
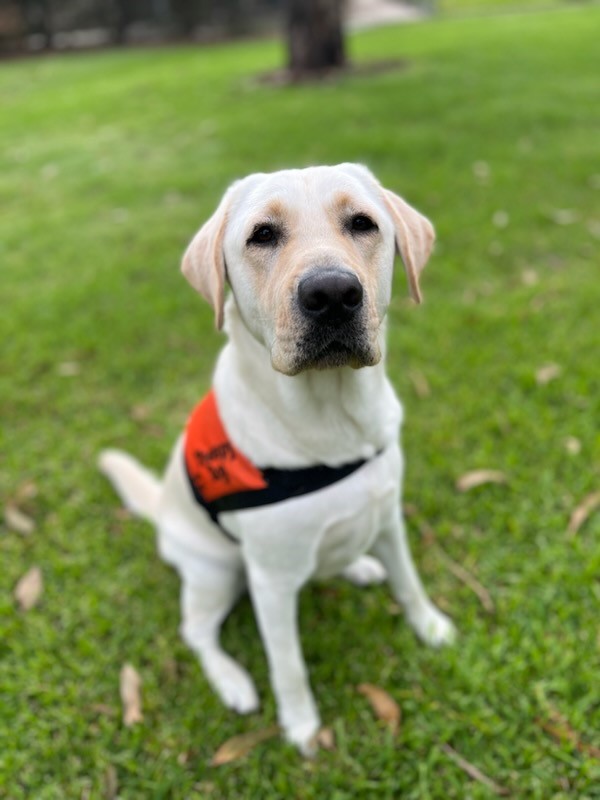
x,y
572,445
239,746
26,491
17,521
170,669
29,588
530,277
129,687
560,729
479,477
326,739
384,706
547,373
111,783
68,369
564,216
500,218
14,516
474,772
139,413
420,384
585,509
481,170
122,514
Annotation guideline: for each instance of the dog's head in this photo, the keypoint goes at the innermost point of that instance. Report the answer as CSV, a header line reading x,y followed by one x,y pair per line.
x,y
309,257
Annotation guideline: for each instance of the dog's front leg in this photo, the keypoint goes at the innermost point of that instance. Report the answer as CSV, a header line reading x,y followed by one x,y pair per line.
x,y
275,600
431,625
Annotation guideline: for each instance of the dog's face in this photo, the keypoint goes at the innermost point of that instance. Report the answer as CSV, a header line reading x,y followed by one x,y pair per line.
x,y
309,256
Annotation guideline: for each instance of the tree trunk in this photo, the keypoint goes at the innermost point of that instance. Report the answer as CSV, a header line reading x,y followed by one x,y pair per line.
x,y
121,21
38,15
315,36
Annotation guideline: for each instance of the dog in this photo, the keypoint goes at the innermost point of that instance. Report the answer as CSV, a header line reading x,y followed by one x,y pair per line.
x,y
291,467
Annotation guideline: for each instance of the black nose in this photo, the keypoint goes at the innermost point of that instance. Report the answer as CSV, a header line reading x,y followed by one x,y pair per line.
x,y
333,295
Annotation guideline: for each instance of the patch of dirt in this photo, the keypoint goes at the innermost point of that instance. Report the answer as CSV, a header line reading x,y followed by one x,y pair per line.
x,y
287,77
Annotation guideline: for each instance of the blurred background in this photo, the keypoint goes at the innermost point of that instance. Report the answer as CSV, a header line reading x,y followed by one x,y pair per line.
x,y
121,125
33,25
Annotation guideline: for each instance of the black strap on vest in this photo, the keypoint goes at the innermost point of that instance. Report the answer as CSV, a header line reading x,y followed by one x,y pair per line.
x,y
282,484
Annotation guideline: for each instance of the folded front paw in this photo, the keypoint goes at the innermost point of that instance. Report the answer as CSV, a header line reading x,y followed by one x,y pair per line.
x,y
365,571
231,682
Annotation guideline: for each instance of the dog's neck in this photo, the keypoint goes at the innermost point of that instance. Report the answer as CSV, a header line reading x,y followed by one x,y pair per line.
x,y
331,417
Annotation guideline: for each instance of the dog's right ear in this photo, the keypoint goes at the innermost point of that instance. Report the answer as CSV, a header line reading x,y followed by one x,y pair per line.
x,y
204,261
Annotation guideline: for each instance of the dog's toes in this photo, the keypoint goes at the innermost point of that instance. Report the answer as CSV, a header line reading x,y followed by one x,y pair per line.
x,y
304,737
433,627
365,570
232,683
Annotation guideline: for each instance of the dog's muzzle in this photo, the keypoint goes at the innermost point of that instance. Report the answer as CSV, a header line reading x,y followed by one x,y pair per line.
x,y
330,297
332,307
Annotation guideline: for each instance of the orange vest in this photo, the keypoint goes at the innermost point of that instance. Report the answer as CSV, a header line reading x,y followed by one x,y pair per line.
x,y
222,478
215,467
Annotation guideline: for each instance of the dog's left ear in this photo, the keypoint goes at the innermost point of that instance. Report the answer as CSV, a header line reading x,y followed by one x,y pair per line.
x,y
415,236
204,261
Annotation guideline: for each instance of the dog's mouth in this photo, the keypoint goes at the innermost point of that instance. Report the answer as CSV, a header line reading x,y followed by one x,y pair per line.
x,y
326,346
335,354
329,352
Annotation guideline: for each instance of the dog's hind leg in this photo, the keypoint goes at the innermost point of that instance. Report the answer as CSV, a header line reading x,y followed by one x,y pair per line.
x,y
431,625
207,596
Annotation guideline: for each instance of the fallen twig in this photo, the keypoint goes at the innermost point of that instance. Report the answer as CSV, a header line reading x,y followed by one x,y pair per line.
x,y
587,506
469,580
474,772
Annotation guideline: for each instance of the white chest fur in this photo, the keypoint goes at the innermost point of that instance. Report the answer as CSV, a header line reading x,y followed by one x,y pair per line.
x,y
321,533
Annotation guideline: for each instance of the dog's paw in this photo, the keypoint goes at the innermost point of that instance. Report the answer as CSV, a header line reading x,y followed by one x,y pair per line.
x,y
432,626
231,682
304,737
365,570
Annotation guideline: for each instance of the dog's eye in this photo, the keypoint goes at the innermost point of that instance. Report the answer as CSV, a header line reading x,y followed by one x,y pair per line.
x,y
360,223
263,234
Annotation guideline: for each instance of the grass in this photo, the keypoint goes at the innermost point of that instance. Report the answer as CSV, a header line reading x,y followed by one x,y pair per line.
x,y
108,162
493,6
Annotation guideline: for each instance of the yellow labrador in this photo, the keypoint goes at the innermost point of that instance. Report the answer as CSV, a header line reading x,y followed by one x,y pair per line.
x,y
291,468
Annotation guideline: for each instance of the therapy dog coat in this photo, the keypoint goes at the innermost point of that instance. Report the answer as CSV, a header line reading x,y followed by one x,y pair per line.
x,y
222,478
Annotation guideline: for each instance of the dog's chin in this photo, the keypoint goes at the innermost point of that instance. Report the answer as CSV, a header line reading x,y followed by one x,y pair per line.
x,y
333,355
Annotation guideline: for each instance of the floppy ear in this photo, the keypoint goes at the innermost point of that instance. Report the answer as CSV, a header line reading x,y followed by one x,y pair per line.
x,y
414,239
204,261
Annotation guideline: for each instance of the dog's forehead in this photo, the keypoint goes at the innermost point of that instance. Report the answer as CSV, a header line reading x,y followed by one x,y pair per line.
x,y
299,189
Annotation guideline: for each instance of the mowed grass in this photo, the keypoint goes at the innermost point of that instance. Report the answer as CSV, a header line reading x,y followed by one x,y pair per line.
x,y
108,163
493,6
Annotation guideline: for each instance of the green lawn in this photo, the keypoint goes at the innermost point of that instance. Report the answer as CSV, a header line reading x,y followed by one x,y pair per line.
x,y
108,163
493,6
